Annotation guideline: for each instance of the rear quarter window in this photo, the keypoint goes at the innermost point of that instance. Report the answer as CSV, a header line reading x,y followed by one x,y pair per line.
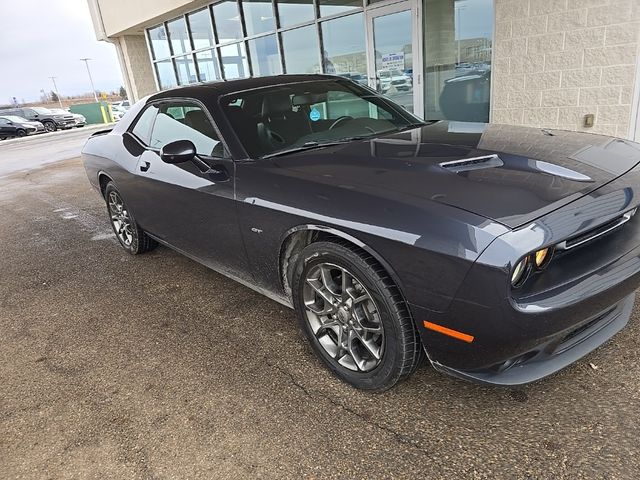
x,y
142,126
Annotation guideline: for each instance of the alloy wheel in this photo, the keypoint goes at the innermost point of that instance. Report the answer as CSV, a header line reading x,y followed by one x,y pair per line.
x,y
120,219
343,317
49,127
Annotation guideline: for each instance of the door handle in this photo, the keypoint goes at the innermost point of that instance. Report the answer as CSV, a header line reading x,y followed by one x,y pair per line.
x,y
145,166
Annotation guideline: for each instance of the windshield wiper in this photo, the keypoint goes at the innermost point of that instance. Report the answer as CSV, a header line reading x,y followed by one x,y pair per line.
x,y
303,147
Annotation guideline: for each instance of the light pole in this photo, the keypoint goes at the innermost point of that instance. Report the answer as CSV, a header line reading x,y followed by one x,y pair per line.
x,y
93,89
459,5
55,89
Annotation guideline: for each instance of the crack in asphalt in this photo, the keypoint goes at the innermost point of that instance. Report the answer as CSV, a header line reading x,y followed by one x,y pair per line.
x,y
398,437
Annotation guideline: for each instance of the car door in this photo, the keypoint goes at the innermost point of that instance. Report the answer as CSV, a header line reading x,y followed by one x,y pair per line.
x,y
7,129
185,205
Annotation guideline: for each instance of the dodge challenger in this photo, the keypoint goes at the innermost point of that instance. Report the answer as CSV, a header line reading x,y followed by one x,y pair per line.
x,y
500,253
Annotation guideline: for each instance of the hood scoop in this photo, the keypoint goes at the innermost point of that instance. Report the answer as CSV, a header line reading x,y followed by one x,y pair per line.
x,y
475,163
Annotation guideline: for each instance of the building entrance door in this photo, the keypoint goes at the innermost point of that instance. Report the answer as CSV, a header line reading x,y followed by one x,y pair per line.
x,y
394,63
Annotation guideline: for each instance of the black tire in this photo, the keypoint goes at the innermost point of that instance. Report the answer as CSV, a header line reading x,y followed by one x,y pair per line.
x,y
402,351
135,241
49,126
21,133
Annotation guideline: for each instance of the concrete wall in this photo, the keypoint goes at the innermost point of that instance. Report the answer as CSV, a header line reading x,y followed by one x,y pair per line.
x,y
557,60
131,17
136,65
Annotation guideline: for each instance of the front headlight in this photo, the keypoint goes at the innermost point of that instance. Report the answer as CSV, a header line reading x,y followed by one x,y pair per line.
x,y
542,257
519,272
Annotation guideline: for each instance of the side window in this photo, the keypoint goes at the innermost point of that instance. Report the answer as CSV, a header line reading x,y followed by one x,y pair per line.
x,y
142,127
3,121
186,121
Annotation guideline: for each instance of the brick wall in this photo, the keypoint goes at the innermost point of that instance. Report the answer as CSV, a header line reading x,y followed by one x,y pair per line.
x,y
557,60
136,66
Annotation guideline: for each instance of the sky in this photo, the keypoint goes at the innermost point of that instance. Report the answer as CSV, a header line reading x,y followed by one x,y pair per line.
x,y
44,38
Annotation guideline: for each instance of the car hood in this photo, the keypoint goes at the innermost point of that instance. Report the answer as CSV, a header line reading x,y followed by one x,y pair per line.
x,y
509,174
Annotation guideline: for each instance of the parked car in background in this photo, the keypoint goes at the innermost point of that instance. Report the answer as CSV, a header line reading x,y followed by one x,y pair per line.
x,y
466,97
9,129
504,253
394,78
122,106
80,119
51,121
31,127
116,114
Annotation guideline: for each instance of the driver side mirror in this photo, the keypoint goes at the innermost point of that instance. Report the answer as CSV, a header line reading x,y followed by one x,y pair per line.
x,y
179,151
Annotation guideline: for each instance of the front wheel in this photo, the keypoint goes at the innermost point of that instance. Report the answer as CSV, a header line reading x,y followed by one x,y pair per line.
x,y
21,133
49,126
354,316
132,238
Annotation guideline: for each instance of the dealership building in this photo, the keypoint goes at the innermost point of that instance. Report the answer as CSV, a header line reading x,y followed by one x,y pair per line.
x,y
569,64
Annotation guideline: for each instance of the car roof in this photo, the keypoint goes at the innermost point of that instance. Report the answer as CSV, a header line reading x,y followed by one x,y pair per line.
x,y
225,87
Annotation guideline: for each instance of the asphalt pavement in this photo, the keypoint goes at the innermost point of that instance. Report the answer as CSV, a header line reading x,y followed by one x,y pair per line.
x,y
26,153
152,367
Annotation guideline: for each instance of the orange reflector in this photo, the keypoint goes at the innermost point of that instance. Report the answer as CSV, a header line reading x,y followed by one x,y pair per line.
x,y
447,331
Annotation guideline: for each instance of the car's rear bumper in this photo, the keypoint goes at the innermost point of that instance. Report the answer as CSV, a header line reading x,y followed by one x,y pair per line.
x,y
554,353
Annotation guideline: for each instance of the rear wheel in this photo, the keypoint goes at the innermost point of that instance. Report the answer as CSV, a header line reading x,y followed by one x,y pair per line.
x,y
132,238
354,316
49,126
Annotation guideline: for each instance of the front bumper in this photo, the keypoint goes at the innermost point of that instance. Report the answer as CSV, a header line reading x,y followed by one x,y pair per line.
x,y
66,124
554,354
577,303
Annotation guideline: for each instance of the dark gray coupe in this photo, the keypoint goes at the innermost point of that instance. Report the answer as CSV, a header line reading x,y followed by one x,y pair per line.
x,y
501,253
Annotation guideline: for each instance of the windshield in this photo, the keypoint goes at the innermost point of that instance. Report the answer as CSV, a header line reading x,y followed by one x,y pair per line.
x,y
42,111
308,114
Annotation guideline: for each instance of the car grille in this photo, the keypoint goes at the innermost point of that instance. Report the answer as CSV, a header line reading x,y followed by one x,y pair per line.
x,y
398,82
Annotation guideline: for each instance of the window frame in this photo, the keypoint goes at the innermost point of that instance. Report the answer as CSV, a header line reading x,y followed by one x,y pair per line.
x,y
278,30
195,102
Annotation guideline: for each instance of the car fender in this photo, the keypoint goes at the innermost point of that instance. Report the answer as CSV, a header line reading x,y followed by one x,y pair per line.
x,y
350,238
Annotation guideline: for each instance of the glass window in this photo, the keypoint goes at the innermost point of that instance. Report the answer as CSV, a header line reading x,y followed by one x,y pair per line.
x,y
258,16
201,29
457,59
265,57
344,47
208,66
234,61
292,12
393,43
304,115
178,36
227,18
166,74
333,7
186,70
159,42
186,121
142,127
300,47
